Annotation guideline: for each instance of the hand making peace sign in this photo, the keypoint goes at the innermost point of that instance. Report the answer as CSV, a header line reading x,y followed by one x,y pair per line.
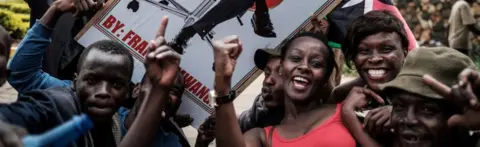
x,y
464,95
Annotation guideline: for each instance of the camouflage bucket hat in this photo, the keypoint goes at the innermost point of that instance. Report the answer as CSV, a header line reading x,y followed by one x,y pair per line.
x,y
442,63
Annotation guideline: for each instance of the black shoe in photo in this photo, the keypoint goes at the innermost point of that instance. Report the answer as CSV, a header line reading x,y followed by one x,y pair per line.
x,y
263,27
164,2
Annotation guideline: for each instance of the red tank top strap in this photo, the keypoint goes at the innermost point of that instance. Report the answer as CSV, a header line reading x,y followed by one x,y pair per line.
x,y
269,135
267,131
338,112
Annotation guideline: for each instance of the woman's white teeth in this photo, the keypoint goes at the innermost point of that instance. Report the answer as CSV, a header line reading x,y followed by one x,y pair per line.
x,y
300,79
376,72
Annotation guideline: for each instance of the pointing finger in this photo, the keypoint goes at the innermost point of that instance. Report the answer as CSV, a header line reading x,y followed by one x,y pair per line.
x,y
163,27
437,86
373,95
159,41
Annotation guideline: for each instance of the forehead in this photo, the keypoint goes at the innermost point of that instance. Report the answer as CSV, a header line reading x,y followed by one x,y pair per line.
x,y
308,44
381,38
99,61
273,62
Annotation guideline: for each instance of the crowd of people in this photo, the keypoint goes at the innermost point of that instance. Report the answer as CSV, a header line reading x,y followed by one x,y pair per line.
x,y
427,97
429,21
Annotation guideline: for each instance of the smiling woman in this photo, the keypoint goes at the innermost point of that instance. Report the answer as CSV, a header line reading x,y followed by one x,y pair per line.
x,y
376,44
306,65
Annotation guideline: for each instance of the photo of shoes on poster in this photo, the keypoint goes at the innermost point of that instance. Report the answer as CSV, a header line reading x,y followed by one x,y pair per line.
x,y
193,25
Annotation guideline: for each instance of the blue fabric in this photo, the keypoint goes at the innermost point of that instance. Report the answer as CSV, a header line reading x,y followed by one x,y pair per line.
x,y
41,110
163,139
26,65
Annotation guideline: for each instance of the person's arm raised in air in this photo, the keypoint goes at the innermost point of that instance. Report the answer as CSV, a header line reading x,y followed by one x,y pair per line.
x,y
26,65
162,64
228,134
357,99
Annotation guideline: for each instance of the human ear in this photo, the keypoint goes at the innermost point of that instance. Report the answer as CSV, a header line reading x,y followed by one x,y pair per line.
x,y
75,79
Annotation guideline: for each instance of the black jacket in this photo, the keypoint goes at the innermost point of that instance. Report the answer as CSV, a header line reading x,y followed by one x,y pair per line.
x,y
259,116
41,110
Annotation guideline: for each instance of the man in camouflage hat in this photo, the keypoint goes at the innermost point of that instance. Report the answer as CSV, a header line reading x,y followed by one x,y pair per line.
x,y
426,111
424,115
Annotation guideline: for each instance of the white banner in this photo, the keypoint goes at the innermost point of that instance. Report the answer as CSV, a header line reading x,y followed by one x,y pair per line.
x,y
134,23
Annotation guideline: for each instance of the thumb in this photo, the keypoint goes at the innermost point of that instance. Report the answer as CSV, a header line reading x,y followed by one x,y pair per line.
x,y
457,120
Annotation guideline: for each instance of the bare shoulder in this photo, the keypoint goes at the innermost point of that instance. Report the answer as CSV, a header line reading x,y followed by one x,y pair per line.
x,y
255,137
340,92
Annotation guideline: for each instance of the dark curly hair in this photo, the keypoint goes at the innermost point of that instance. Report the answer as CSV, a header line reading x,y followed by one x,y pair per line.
x,y
371,23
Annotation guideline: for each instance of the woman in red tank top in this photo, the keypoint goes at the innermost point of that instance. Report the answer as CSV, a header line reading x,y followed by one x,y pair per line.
x,y
306,65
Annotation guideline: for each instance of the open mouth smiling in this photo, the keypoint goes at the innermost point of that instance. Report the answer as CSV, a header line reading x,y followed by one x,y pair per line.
x,y
377,74
300,83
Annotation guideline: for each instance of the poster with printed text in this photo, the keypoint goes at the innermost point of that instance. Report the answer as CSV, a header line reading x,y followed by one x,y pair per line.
x,y
133,23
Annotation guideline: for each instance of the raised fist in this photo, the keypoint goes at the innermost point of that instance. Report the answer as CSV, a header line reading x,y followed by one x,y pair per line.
x,y
226,53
